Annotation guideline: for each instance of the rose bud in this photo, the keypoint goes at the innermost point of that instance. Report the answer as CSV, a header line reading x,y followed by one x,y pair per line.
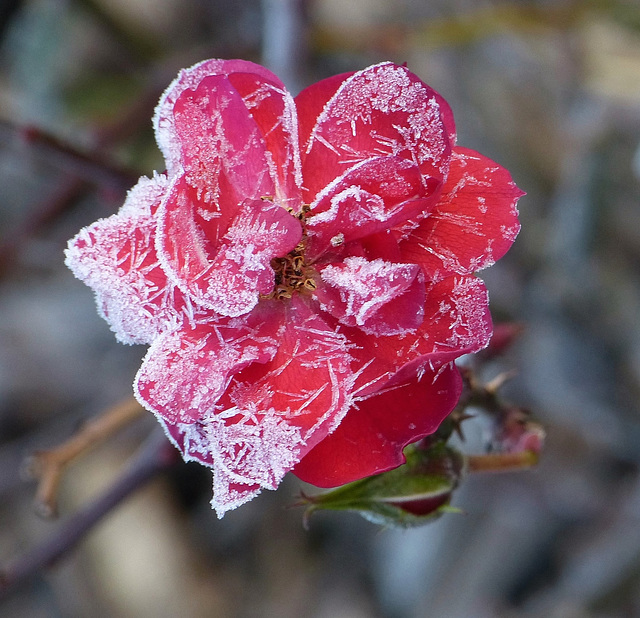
x,y
414,494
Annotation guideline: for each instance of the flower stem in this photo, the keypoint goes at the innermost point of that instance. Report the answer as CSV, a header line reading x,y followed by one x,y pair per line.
x,y
156,455
48,466
501,462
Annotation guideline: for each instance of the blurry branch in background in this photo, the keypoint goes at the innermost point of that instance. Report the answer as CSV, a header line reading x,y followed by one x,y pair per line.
x,y
283,40
48,466
83,169
90,166
155,456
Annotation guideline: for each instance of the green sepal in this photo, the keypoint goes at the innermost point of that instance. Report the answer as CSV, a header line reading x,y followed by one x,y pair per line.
x,y
413,494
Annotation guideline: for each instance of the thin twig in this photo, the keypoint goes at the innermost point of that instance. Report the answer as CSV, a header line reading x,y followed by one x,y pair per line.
x,y
501,462
48,466
155,456
89,164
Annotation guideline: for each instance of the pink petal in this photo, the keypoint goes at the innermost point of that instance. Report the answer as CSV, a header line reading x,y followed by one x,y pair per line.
x,y
227,277
371,197
185,372
372,436
380,297
473,225
456,322
189,79
274,112
262,390
223,152
381,111
117,258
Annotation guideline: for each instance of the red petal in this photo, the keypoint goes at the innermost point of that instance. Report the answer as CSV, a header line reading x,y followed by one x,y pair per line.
x,y
117,258
380,297
474,223
456,322
307,382
369,198
241,269
381,111
373,434
272,414
223,150
185,372
188,79
227,277
273,109
261,391
312,100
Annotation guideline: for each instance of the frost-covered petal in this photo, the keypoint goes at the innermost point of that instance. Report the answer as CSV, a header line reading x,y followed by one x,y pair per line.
x,y
229,495
273,109
186,371
380,297
227,277
372,436
189,438
474,223
311,101
383,110
189,79
456,322
117,258
260,390
307,382
223,151
272,414
371,197
241,269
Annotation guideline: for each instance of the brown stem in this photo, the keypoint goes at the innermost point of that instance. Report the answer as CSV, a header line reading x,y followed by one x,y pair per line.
x,y
90,165
156,455
48,466
501,462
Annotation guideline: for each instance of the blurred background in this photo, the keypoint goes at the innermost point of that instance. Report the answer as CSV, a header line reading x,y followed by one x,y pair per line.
x,y
548,88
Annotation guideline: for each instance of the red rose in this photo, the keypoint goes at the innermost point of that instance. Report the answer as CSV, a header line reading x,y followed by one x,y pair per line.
x,y
303,271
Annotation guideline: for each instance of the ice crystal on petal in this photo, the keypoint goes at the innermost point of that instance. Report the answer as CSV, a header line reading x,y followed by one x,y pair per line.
x,y
357,289
186,371
117,258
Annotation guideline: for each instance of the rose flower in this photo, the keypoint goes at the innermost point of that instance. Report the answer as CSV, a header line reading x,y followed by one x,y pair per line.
x,y
302,271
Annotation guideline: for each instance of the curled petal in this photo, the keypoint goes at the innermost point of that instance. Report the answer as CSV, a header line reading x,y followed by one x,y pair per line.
x,y
188,79
380,297
228,277
367,442
383,110
474,223
456,322
117,258
371,197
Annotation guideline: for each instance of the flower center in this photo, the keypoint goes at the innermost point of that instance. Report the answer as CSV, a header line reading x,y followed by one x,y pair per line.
x,y
292,273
